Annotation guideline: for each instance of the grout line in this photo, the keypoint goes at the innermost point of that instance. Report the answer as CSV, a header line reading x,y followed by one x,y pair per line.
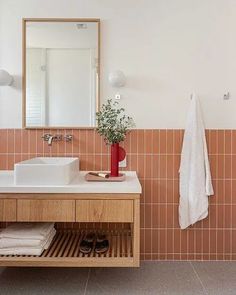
x,y
209,201
217,188
86,284
128,153
199,279
166,183
231,192
192,253
190,229
151,192
224,172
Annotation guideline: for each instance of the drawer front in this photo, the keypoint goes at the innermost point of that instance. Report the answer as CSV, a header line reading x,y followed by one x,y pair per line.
x,y
104,211
46,210
7,210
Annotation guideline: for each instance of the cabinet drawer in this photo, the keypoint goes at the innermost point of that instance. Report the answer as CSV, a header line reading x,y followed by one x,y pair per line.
x,y
46,210
104,211
7,210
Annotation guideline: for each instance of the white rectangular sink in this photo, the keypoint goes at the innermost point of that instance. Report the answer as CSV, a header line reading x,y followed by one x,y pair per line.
x,y
46,171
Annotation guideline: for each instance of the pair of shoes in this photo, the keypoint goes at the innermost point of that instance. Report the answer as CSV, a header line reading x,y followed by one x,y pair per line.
x,y
99,243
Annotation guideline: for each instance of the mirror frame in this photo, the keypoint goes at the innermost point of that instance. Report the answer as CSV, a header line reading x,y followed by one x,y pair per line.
x,y
24,22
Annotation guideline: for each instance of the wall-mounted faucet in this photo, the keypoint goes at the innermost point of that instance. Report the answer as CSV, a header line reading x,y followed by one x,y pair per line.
x,y
58,137
50,138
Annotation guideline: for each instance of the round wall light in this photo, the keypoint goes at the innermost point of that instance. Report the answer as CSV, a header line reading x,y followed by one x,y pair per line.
x,y
117,79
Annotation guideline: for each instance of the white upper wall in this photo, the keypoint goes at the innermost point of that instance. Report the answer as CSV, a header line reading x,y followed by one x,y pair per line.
x,y
166,48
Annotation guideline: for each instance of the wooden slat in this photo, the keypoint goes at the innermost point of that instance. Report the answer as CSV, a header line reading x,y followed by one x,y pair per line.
x,y
66,252
74,245
54,245
76,253
128,244
64,245
118,246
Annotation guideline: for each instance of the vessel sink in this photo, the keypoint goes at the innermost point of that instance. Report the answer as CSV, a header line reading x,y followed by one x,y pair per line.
x,y
46,171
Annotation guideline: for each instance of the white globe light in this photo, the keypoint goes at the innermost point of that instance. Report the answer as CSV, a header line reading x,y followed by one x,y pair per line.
x,y
117,79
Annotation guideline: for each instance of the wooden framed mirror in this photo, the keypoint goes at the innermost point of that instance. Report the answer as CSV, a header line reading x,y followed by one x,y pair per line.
x,y
61,73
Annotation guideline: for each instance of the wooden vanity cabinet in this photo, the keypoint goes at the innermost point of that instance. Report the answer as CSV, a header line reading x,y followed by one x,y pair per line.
x,y
77,208
104,211
7,210
46,210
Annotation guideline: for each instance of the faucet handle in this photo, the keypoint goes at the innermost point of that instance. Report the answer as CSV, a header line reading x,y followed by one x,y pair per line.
x,y
68,137
46,136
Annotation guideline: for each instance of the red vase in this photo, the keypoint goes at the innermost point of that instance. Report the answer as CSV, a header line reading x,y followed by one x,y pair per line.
x,y
114,160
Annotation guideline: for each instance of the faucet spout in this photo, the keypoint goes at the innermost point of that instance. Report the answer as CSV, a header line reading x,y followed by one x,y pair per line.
x,y
50,139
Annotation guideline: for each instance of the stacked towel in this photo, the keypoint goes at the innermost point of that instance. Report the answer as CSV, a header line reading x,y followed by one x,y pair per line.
x,y
26,238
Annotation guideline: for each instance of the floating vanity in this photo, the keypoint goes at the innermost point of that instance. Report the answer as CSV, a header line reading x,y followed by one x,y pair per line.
x,y
78,207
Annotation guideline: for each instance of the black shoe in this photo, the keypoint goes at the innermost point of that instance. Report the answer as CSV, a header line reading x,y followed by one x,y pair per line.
x,y
86,245
102,244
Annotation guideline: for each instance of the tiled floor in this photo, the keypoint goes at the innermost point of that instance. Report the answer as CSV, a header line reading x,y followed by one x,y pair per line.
x,y
167,278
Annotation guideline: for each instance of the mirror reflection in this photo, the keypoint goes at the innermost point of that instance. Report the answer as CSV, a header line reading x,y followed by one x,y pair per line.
x,y
61,73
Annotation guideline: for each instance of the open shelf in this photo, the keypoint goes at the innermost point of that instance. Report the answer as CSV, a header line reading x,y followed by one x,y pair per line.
x,y
64,252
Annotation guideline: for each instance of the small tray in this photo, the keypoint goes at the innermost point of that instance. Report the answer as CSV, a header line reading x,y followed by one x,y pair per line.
x,y
89,177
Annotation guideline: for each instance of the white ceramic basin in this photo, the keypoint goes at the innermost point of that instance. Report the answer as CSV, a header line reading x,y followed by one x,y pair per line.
x,y
46,171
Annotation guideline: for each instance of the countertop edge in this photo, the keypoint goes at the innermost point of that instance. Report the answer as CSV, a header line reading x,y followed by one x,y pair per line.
x,y
78,186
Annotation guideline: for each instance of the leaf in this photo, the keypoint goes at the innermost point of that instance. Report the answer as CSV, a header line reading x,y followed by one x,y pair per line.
x,y
112,123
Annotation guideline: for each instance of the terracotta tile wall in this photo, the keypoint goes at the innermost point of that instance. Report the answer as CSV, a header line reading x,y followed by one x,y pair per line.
x,y
155,155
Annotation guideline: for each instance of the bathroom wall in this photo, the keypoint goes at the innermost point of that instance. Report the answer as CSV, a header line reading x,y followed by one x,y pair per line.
x,y
155,155
166,48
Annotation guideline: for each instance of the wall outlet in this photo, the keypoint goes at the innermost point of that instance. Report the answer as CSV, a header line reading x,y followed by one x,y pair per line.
x,y
123,164
118,96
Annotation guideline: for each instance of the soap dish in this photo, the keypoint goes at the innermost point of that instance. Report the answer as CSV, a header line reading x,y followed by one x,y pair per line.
x,y
89,177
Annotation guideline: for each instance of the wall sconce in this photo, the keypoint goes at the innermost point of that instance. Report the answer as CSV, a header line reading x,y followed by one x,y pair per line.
x,y
5,78
117,79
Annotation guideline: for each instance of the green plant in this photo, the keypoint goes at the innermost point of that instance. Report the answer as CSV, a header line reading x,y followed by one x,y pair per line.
x,y
112,123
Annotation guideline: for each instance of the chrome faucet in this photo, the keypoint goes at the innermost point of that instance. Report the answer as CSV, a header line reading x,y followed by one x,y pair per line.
x,y
50,138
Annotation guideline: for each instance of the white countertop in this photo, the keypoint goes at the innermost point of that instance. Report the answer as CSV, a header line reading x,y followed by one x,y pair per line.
x,y
78,185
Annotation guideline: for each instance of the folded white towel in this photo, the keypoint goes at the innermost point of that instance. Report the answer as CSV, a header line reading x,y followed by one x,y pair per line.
x,y
31,230
23,243
37,251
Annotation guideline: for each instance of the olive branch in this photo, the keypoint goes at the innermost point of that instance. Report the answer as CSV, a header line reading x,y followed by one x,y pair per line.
x,y
112,123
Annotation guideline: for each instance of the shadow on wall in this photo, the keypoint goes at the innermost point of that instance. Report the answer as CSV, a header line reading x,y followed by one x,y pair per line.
x,y
17,82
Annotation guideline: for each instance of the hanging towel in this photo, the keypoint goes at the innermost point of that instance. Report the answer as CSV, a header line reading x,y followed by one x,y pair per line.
x,y
195,175
30,230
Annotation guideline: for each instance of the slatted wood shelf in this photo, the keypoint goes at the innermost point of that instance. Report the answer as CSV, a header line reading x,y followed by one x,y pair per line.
x,y
64,252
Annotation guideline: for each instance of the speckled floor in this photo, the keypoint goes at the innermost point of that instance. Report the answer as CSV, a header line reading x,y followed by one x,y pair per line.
x,y
177,278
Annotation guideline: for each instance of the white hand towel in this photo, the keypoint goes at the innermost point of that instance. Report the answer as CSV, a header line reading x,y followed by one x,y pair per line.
x,y
37,251
195,175
23,243
31,230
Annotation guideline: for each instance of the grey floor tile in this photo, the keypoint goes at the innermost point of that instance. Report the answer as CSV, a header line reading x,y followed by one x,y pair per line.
x,y
218,278
165,278
48,281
